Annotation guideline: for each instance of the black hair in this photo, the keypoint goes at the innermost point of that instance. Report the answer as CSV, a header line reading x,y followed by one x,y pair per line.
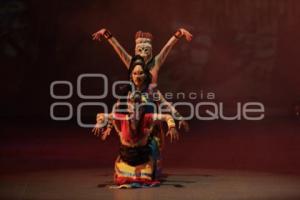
x,y
124,89
138,60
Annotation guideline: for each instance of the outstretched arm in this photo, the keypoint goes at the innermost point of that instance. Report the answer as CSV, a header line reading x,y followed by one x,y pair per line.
x,y
161,57
122,53
172,131
103,120
182,124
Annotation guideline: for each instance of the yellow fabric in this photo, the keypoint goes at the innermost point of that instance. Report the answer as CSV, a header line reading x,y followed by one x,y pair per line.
x,y
171,123
144,171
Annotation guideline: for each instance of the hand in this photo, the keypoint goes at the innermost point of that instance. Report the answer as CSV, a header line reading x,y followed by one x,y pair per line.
x,y
97,36
173,134
99,125
188,36
97,130
183,124
100,118
106,133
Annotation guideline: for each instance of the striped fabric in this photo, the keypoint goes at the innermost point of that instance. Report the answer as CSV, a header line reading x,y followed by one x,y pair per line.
x,y
139,176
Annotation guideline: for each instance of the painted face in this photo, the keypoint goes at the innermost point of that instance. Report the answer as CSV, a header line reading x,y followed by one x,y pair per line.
x,y
138,75
144,50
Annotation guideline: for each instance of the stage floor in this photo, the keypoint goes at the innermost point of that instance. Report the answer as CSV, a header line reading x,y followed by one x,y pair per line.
x,y
178,184
251,161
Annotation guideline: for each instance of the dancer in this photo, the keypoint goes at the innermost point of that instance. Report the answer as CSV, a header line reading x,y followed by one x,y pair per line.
x,y
143,47
136,165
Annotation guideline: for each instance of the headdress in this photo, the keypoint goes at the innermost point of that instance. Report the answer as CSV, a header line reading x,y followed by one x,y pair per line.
x,y
144,38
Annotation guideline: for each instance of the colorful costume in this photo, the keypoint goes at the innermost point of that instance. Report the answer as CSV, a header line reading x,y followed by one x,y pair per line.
x,y
135,163
138,163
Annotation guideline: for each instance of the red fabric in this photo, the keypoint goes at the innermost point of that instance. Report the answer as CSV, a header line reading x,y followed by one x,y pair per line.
x,y
128,180
125,127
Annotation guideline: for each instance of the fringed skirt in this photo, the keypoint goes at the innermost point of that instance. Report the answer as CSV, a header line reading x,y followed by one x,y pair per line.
x,y
135,167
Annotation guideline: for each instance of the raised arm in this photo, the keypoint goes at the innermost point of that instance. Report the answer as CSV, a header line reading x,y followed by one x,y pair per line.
x,y
122,53
161,57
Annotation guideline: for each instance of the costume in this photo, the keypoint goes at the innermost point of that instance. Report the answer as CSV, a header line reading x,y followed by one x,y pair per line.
x,y
135,165
139,160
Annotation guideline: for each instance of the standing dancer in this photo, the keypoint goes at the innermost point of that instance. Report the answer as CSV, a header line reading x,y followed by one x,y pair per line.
x,y
143,47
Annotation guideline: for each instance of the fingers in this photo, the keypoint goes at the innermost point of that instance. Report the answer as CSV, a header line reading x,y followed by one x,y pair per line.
x,y
182,30
95,131
177,136
188,37
103,137
108,131
98,132
184,125
105,134
169,133
174,135
189,34
97,36
180,125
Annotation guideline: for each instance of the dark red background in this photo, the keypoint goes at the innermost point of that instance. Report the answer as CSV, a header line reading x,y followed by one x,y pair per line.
x,y
242,51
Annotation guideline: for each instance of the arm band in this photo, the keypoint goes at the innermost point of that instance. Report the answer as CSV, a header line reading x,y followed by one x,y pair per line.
x,y
178,34
107,34
171,123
